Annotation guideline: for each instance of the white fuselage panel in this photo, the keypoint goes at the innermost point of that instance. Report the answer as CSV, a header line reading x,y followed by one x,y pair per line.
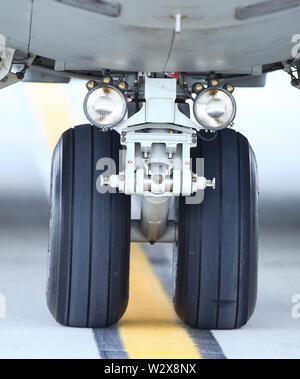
x,y
143,37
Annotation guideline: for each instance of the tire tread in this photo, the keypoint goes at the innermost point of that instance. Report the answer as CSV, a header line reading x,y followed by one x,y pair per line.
x,y
83,287
217,263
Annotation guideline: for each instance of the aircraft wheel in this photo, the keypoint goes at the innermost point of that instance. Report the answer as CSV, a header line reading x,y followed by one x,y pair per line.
x,y
216,282
89,233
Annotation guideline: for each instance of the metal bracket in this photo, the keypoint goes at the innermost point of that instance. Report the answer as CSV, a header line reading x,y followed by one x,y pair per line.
x,y
158,163
158,140
160,107
6,61
163,167
7,77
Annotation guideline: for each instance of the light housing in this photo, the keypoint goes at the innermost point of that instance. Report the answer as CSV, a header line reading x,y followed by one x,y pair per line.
x,y
105,106
214,108
197,88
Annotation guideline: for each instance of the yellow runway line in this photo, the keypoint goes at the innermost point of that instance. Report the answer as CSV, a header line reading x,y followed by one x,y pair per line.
x,y
150,327
51,108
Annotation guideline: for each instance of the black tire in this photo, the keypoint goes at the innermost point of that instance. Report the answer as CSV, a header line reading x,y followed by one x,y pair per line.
x,y
89,234
216,283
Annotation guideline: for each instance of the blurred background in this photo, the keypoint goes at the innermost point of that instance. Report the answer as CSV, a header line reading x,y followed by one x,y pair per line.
x,y
32,118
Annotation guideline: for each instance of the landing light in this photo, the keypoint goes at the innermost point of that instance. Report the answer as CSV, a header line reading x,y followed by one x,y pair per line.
x,y
214,108
105,106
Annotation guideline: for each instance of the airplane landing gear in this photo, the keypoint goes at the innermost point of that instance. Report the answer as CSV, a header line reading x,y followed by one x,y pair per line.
x,y
158,153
